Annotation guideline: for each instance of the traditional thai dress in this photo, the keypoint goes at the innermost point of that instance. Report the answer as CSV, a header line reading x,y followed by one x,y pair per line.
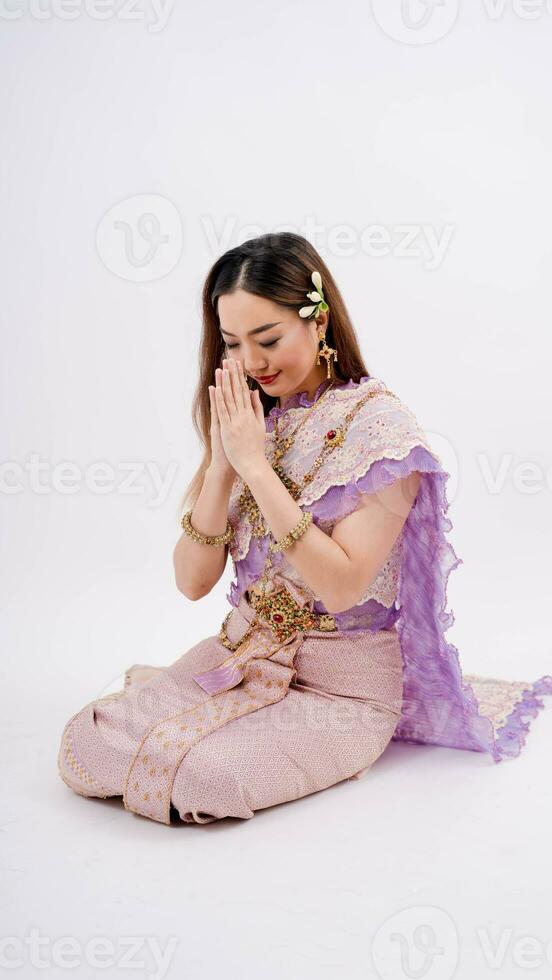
x,y
288,699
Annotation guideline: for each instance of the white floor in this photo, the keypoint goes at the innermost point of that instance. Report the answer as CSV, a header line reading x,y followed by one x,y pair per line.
x,y
436,864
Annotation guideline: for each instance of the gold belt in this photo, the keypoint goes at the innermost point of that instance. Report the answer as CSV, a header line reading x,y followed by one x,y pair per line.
x,y
282,614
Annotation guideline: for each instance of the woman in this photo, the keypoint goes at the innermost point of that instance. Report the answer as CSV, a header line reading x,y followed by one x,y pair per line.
x,y
322,486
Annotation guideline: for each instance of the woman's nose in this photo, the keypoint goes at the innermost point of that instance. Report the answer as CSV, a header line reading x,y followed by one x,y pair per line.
x,y
255,372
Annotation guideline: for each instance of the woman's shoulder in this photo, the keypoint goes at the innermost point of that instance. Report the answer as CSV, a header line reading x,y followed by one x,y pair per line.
x,y
369,394
358,414
359,425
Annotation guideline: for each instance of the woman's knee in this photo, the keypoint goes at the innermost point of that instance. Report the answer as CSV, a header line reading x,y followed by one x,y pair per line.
x,y
74,773
93,758
207,786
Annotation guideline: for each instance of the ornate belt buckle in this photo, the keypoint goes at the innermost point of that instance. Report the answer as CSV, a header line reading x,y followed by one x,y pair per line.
x,y
282,613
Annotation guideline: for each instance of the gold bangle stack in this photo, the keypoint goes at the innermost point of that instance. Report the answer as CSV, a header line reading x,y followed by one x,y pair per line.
x,y
215,539
218,539
292,535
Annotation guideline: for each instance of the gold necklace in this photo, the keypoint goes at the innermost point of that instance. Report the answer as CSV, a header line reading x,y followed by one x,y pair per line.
x,y
246,502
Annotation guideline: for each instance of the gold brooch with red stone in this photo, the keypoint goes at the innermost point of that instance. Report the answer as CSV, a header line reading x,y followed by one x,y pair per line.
x,y
334,437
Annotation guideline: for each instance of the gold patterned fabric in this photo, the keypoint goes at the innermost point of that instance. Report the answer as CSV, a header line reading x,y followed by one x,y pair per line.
x,y
311,710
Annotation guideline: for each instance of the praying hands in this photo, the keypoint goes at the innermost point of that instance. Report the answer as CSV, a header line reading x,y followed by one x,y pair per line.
x,y
240,416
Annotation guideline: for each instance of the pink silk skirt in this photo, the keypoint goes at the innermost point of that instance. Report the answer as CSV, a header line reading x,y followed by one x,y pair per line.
x,y
223,734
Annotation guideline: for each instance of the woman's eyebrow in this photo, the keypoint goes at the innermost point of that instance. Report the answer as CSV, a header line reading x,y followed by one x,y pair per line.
x,y
265,326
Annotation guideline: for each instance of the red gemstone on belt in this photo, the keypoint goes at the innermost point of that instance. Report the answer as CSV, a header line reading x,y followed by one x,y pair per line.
x,y
278,618
331,434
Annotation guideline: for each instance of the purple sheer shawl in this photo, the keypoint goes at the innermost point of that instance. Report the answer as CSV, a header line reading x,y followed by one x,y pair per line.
x,y
440,705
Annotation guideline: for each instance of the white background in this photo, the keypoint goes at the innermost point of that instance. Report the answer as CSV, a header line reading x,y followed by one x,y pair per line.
x,y
235,120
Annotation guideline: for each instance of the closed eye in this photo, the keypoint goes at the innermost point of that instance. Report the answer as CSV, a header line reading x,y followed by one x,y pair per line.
x,y
271,344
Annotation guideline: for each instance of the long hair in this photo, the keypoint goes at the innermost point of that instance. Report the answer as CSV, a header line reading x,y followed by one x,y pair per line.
x,y
277,266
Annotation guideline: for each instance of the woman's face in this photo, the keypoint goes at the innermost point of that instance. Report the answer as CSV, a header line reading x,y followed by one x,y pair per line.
x,y
285,346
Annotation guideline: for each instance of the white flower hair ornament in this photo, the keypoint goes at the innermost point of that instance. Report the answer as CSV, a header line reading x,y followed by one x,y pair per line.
x,y
316,297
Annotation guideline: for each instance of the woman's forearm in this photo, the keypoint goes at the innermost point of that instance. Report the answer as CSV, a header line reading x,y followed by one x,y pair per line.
x,y
199,566
320,561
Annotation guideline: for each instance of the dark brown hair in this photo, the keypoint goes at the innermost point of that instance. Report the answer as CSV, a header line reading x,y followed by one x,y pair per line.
x,y
277,266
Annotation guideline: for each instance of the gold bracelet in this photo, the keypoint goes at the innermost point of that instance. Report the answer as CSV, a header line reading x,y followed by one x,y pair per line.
x,y
206,538
292,535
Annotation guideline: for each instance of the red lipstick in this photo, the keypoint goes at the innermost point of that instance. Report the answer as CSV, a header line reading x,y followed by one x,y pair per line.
x,y
268,379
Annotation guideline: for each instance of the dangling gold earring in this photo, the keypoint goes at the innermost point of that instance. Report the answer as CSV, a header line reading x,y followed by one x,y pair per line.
x,y
327,353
